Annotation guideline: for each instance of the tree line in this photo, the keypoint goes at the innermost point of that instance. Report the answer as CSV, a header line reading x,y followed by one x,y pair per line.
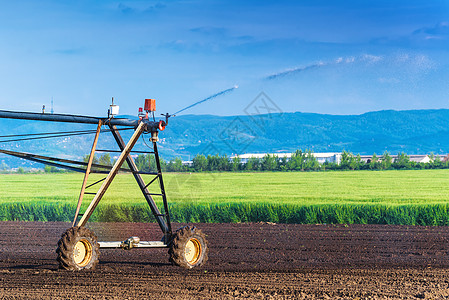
x,y
299,161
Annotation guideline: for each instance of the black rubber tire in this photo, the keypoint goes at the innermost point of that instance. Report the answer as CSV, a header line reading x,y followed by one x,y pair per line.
x,y
66,249
178,244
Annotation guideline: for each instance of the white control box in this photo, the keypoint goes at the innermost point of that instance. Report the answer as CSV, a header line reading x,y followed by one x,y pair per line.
x,y
113,110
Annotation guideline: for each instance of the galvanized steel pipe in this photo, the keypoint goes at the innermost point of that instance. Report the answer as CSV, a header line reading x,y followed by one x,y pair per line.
x,y
68,118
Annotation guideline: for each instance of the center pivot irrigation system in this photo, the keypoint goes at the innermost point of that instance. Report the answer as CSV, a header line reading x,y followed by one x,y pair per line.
x,y
78,247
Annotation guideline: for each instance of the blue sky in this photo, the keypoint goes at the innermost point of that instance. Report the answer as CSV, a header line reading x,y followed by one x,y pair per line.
x,y
335,57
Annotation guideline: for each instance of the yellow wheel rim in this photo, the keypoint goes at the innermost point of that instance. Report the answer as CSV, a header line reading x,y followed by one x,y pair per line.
x,y
82,253
193,251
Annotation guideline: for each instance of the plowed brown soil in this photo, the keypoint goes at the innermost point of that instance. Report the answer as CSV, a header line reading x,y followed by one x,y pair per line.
x,y
254,261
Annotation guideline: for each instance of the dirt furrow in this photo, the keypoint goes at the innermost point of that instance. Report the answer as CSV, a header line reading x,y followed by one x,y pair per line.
x,y
246,261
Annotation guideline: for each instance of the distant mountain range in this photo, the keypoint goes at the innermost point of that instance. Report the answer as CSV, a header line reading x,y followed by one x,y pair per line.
x,y
412,132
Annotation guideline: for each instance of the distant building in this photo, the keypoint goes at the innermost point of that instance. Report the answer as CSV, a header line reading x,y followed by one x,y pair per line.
x,y
320,157
414,157
188,163
330,157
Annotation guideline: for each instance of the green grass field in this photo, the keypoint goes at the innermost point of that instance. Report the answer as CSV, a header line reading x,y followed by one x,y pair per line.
x,y
398,197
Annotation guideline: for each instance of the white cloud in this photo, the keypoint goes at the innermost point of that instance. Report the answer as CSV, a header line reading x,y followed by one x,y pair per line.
x,y
371,58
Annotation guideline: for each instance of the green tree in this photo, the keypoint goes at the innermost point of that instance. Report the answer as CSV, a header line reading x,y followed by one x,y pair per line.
x,y
142,163
162,162
235,163
330,165
269,163
386,161
105,159
224,163
402,161
175,165
283,163
53,169
351,162
310,161
297,161
213,162
249,165
252,164
94,161
347,160
357,163
374,164
432,157
437,162
199,163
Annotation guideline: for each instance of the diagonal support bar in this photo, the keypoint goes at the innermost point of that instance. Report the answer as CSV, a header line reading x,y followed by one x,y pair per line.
x,y
166,228
123,156
86,175
42,159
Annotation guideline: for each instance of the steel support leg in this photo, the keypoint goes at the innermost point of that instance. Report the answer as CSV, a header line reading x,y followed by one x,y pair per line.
x,y
161,185
86,175
165,227
123,156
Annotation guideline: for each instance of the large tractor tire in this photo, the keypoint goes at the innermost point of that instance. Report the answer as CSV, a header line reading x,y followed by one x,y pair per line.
x,y
78,249
188,248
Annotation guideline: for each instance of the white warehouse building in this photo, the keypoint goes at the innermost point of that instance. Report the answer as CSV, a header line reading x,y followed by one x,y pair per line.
x,y
320,157
331,157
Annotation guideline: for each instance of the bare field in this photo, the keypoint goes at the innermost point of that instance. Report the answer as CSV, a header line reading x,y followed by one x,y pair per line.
x,y
254,261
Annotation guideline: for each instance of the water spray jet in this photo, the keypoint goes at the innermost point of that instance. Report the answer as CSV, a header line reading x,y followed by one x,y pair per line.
x,y
208,98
